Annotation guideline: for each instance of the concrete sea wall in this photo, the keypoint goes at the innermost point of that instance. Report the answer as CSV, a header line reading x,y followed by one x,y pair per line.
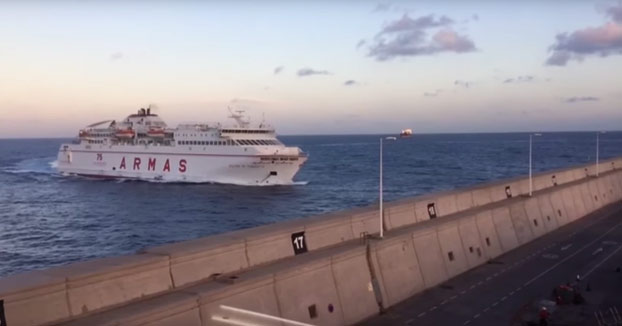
x,y
322,270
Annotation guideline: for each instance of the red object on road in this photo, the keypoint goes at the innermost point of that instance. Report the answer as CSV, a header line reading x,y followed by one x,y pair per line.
x,y
544,314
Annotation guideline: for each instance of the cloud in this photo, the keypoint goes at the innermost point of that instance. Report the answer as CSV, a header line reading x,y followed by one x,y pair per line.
x,y
520,79
410,37
581,99
600,41
615,12
408,24
351,83
433,94
116,56
278,70
382,7
310,72
462,83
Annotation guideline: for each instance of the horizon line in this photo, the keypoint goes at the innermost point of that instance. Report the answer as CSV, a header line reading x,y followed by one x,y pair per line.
x,y
381,134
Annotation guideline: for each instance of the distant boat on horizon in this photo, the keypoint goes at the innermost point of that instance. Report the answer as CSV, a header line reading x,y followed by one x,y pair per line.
x,y
406,133
391,138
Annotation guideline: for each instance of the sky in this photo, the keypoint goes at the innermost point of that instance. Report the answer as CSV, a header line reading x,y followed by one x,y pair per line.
x,y
313,67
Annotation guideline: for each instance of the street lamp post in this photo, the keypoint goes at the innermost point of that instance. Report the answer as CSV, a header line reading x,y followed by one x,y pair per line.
x,y
530,163
598,151
381,212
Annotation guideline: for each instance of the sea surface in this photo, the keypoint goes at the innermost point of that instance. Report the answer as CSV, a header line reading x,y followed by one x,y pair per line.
x,y
47,219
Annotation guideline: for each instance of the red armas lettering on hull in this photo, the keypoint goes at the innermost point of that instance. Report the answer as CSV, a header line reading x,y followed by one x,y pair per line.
x,y
151,164
137,163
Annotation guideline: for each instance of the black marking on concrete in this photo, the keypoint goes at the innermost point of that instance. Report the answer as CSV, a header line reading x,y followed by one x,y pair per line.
x,y
2,315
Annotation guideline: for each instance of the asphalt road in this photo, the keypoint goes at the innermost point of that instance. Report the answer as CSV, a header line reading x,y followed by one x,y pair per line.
x,y
507,289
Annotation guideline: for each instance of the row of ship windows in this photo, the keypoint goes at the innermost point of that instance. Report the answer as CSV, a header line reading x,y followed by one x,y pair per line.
x,y
96,141
193,135
229,142
245,131
232,131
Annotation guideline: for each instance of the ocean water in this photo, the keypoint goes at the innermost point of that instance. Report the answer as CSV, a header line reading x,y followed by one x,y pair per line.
x,y
47,219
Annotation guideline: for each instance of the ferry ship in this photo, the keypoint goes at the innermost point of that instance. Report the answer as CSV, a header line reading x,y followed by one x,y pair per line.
x,y
406,133
142,147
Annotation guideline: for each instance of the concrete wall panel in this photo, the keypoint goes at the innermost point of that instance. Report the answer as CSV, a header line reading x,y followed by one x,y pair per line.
x,y
101,283
616,181
481,196
614,186
604,167
471,242
365,222
271,247
353,281
399,268
559,208
580,173
605,189
505,229
572,209
497,192
520,187
590,170
33,298
452,249
169,310
521,222
196,260
534,217
595,193
447,205
429,251
588,198
421,208
578,201
617,187
564,177
307,285
577,174
464,200
396,216
488,234
543,181
253,293
549,216
328,231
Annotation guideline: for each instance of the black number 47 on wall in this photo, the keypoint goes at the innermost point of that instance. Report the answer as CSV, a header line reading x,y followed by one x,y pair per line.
x,y
299,243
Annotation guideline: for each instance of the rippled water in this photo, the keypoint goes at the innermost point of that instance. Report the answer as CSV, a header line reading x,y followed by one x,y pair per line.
x,y
46,219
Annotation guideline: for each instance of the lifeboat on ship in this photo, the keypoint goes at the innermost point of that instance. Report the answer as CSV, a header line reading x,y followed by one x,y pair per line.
x,y
83,134
155,133
125,134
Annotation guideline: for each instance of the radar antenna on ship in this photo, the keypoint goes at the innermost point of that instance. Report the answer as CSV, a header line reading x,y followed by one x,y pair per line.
x,y
238,116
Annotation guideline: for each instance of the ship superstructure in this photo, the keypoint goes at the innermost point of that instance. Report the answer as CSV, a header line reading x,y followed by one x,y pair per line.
x,y
406,133
142,146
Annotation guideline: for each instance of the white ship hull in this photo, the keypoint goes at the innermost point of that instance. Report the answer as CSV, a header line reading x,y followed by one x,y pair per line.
x,y
242,166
